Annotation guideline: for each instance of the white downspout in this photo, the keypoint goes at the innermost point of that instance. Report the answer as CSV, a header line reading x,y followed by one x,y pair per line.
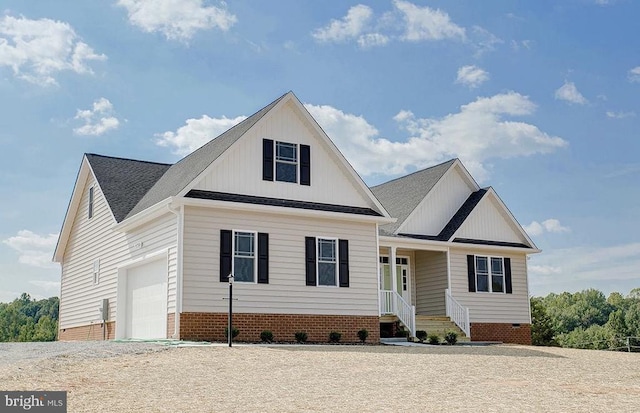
x,y
179,235
378,268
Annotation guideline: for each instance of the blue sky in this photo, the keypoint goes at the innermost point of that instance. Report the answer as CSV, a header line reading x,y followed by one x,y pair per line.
x,y
538,99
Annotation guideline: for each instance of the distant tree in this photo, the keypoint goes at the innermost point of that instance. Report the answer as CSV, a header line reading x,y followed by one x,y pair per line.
x,y
25,319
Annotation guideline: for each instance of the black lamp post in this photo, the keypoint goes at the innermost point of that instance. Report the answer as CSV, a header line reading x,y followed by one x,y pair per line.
x,y
230,326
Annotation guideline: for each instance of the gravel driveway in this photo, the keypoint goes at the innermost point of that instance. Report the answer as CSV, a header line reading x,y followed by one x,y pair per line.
x,y
141,377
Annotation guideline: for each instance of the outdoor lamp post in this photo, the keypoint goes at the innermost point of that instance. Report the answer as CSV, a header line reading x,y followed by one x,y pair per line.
x,y
230,321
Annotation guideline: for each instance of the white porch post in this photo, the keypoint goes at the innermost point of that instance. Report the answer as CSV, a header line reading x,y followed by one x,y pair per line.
x,y
394,273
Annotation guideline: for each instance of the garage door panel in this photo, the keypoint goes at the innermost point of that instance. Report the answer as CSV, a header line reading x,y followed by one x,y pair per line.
x,y
147,300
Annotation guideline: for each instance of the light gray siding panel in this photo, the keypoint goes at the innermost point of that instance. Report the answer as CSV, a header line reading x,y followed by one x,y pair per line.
x,y
431,281
287,291
239,170
492,307
489,221
94,238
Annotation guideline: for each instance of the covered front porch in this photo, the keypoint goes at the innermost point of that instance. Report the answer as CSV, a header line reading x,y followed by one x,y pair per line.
x,y
414,287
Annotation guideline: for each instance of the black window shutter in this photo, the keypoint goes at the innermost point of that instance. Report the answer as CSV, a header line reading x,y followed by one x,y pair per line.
x,y
310,260
263,258
267,159
343,255
507,276
225,254
305,165
471,272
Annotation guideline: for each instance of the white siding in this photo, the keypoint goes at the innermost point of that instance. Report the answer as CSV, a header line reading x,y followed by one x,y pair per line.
x,y
489,221
442,202
94,238
492,307
239,169
286,292
431,281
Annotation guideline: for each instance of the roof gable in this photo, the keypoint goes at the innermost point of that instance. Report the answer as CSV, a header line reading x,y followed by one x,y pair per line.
x,y
176,179
488,220
402,195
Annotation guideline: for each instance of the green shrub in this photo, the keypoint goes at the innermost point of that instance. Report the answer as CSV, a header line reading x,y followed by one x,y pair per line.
x,y
363,334
234,333
266,336
421,335
434,339
334,337
451,338
301,337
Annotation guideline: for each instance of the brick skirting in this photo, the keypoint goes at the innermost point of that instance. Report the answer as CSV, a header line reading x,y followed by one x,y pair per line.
x,y
88,332
505,332
210,326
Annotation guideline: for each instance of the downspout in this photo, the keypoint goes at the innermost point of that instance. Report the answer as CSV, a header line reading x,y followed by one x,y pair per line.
x,y
378,266
178,301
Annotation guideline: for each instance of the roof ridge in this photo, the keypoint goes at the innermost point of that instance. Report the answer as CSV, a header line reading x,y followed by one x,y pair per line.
x,y
127,159
415,172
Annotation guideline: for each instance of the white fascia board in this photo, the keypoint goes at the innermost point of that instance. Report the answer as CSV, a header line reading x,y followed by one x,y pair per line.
x,y
237,206
432,245
142,217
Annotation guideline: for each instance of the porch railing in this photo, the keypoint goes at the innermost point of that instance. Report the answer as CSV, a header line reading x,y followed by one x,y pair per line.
x,y
458,313
392,303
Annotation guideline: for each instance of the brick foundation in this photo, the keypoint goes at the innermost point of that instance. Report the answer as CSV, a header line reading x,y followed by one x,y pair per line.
x,y
210,326
505,332
88,332
171,325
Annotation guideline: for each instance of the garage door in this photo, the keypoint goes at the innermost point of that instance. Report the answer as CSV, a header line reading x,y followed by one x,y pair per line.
x,y
147,300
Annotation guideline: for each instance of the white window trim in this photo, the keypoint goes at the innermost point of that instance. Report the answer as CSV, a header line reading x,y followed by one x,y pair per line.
x,y
490,274
408,264
337,263
255,255
275,162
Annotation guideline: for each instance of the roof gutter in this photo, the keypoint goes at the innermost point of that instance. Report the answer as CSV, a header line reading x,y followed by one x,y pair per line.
x,y
445,245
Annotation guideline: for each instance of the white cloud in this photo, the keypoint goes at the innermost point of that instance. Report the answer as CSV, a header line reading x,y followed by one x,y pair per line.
x,y
349,27
196,133
372,39
569,92
476,134
634,74
471,76
177,19
424,23
620,115
37,50
35,250
549,225
604,2
483,40
544,269
97,120
46,285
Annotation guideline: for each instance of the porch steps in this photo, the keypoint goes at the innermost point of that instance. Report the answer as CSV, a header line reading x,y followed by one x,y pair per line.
x,y
440,325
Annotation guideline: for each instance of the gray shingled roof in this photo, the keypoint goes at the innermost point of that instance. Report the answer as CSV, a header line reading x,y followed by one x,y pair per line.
x,y
188,168
402,195
124,181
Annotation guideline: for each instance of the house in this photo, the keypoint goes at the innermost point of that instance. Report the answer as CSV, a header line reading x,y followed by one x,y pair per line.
x,y
146,248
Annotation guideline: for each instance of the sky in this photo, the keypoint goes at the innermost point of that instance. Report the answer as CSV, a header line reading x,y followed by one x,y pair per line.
x,y
539,99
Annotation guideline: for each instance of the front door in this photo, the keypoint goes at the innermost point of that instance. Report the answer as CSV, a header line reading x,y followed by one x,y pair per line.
x,y
402,278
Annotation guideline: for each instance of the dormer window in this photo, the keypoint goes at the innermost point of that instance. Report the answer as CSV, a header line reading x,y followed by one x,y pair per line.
x,y
286,162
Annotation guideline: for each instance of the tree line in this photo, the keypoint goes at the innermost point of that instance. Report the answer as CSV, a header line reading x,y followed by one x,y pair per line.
x,y
25,319
587,319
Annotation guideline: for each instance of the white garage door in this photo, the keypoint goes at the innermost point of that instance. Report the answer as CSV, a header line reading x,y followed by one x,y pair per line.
x,y
147,300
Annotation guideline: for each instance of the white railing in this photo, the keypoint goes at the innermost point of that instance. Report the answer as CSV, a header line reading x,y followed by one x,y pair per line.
x,y
392,303
458,313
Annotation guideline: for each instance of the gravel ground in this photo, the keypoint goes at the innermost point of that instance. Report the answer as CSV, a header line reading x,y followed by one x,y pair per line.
x,y
136,377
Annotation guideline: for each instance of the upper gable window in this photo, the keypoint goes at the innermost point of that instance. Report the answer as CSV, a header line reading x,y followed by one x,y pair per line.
x,y
286,162
91,198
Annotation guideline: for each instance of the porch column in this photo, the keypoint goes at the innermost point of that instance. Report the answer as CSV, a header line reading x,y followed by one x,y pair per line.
x,y
392,265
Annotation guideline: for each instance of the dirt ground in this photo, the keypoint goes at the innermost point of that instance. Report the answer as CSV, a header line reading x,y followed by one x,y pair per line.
x,y
338,379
